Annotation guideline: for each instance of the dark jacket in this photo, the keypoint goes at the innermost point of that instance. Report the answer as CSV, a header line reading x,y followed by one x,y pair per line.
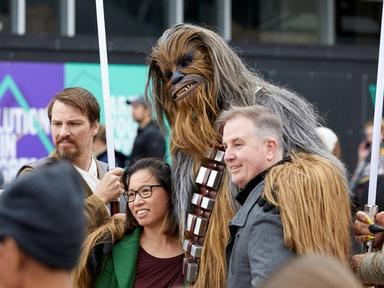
x,y
149,142
1,179
120,158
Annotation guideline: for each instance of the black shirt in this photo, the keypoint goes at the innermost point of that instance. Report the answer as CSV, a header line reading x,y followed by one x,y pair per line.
x,y
149,142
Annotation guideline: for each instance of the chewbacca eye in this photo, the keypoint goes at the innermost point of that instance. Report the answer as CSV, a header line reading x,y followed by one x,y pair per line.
x,y
186,62
167,75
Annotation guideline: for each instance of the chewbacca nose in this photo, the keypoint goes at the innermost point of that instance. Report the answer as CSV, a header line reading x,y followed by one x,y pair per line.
x,y
176,77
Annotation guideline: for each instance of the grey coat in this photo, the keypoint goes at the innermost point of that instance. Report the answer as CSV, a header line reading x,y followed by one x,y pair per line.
x,y
256,248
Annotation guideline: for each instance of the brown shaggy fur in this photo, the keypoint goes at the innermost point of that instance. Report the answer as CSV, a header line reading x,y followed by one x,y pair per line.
x,y
192,120
314,205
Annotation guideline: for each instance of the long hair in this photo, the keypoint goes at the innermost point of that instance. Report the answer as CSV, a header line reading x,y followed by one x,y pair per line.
x,y
192,112
110,232
314,205
115,230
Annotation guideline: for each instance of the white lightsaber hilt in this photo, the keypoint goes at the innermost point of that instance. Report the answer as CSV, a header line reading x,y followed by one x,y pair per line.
x,y
371,211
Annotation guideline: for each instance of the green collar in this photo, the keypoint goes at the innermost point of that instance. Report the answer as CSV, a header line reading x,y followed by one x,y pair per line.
x,y
124,256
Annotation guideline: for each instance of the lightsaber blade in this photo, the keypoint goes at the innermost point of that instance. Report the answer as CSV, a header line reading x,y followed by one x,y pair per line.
x,y
371,208
105,83
377,121
115,205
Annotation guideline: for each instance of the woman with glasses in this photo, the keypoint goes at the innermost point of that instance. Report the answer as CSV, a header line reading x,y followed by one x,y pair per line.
x,y
146,251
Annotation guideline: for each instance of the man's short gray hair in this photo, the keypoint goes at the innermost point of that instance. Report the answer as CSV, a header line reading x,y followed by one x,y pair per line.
x,y
265,122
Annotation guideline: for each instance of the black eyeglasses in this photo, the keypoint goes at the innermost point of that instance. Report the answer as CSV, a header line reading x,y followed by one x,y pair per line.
x,y
144,192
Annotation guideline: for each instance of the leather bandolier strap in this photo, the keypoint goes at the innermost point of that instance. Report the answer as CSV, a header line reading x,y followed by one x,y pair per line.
x,y
208,181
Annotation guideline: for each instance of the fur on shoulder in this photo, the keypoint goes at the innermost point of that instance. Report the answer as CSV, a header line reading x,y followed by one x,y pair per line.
x,y
312,196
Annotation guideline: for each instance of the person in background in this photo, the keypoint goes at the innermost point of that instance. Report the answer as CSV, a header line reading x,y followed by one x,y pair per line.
x,y
359,183
365,145
100,149
145,250
330,140
74,115
1,180
41,228
149,141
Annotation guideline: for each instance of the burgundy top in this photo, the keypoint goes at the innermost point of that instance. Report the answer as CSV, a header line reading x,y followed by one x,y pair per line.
x,y
158,272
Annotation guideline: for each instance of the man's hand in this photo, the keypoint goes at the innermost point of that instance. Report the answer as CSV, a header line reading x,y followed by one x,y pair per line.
x,y
110,186
356,261
362,233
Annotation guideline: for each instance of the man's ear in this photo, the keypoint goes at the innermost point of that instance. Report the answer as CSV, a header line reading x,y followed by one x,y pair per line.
x,y
271,146
148,111
95,127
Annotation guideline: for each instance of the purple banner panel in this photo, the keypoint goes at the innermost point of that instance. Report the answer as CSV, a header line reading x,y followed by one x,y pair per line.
x,y
25,91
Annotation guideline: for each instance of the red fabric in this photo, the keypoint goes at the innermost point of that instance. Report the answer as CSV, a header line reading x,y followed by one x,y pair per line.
x,y
158,272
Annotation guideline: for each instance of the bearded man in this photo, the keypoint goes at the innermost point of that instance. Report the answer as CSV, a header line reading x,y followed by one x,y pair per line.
x,y
193,76
74,115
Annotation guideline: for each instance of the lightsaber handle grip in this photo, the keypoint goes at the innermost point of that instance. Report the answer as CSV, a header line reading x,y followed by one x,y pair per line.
x,y
371,211
115,207
115,204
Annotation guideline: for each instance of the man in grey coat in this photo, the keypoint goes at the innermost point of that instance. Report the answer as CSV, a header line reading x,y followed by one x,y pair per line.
x,y
253,142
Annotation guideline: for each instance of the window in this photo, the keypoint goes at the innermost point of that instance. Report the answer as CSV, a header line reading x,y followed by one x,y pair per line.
x,y
201,12
123,17
276,21
358,21
42,17
5,17
307,21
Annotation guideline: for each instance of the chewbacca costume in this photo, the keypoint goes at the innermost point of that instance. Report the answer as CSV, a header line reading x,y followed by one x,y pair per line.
x,y
193,76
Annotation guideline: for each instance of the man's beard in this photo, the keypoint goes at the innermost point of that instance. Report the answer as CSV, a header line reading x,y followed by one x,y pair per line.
x,y
68,154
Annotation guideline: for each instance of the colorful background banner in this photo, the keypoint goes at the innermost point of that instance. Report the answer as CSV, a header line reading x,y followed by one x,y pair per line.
x,y
26,89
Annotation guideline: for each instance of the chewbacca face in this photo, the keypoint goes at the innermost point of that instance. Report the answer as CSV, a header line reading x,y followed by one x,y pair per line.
x,y
183,68
181,75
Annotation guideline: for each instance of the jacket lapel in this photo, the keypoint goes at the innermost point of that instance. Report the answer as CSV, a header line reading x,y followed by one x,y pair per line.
x,y
241,216
124,256
102,168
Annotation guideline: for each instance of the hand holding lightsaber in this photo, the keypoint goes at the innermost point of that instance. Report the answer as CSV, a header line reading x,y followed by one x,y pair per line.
x,y
110,186
371,211
366,230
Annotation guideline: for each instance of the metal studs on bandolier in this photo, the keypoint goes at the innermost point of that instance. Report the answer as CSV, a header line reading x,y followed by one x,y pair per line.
x,y
209,179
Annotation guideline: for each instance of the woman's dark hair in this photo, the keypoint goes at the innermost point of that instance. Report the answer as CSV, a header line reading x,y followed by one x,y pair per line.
x,y
162,173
